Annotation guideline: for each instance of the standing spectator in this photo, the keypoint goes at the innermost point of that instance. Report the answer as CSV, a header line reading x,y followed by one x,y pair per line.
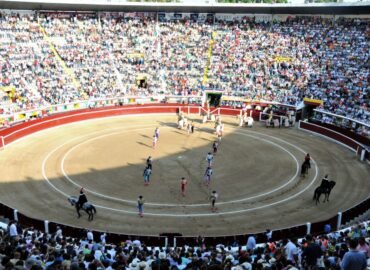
x,y
58,234
103,237
13,232
268,235
291,251
353,259
327,228
363,247
251,242
311,253
90,236
200,242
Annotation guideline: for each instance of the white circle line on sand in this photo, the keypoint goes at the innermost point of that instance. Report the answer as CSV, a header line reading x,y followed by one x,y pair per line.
x,y
62,145
178,205
194,215
85,188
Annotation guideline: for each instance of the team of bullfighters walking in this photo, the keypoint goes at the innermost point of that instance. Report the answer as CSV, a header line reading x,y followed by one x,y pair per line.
x,y
183,181
219,127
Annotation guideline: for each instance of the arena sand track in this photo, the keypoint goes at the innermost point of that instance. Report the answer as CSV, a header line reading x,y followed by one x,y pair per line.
x,y
107,157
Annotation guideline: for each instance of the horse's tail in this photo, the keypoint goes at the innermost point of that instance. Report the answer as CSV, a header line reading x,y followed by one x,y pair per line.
x,y
93,208
315,194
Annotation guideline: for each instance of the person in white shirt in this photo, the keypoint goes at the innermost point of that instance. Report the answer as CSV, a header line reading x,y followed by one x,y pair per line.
x,y
268,234
59,233
137,243
209,159
90,236
13,230
103,238
291,251
112,252
98,253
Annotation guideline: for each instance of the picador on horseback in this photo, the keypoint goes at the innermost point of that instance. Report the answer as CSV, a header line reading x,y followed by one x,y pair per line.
x,y
82,203
325,188
81,200
306,165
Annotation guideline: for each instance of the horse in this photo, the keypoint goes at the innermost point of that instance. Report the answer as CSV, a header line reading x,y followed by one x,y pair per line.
x,y
181,124
304,168
323,190
249,121
87,207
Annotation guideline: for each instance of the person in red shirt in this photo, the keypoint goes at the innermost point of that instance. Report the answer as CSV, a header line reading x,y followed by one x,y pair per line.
x,y
184,183
307,160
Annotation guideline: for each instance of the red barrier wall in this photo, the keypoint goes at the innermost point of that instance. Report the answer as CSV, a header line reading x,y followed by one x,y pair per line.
x,y
335,135
20,130
15,132
331,134
345,131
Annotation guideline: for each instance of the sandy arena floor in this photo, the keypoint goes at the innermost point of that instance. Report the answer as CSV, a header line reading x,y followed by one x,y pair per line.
x,y
256,174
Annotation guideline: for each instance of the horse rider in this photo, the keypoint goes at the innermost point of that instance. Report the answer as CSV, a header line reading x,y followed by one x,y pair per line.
x,y
81,199
307,160
325,182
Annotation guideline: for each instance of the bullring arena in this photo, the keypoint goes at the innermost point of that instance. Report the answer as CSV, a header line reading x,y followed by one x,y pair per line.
x,y
256,173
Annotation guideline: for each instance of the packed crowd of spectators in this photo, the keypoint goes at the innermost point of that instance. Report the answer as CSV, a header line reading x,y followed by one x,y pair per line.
x,y
343,123
29,249
30,75
52,58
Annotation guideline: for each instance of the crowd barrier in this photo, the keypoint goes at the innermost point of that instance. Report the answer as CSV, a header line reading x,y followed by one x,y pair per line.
x,y
18,131
344,131
348,140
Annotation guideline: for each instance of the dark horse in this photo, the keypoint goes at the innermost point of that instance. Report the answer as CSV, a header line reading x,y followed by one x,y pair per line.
x,y
87,207
304,168
326,189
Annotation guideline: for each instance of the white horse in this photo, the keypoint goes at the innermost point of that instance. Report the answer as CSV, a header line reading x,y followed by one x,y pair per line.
x,y
205,118
249,121
182,123
286,121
